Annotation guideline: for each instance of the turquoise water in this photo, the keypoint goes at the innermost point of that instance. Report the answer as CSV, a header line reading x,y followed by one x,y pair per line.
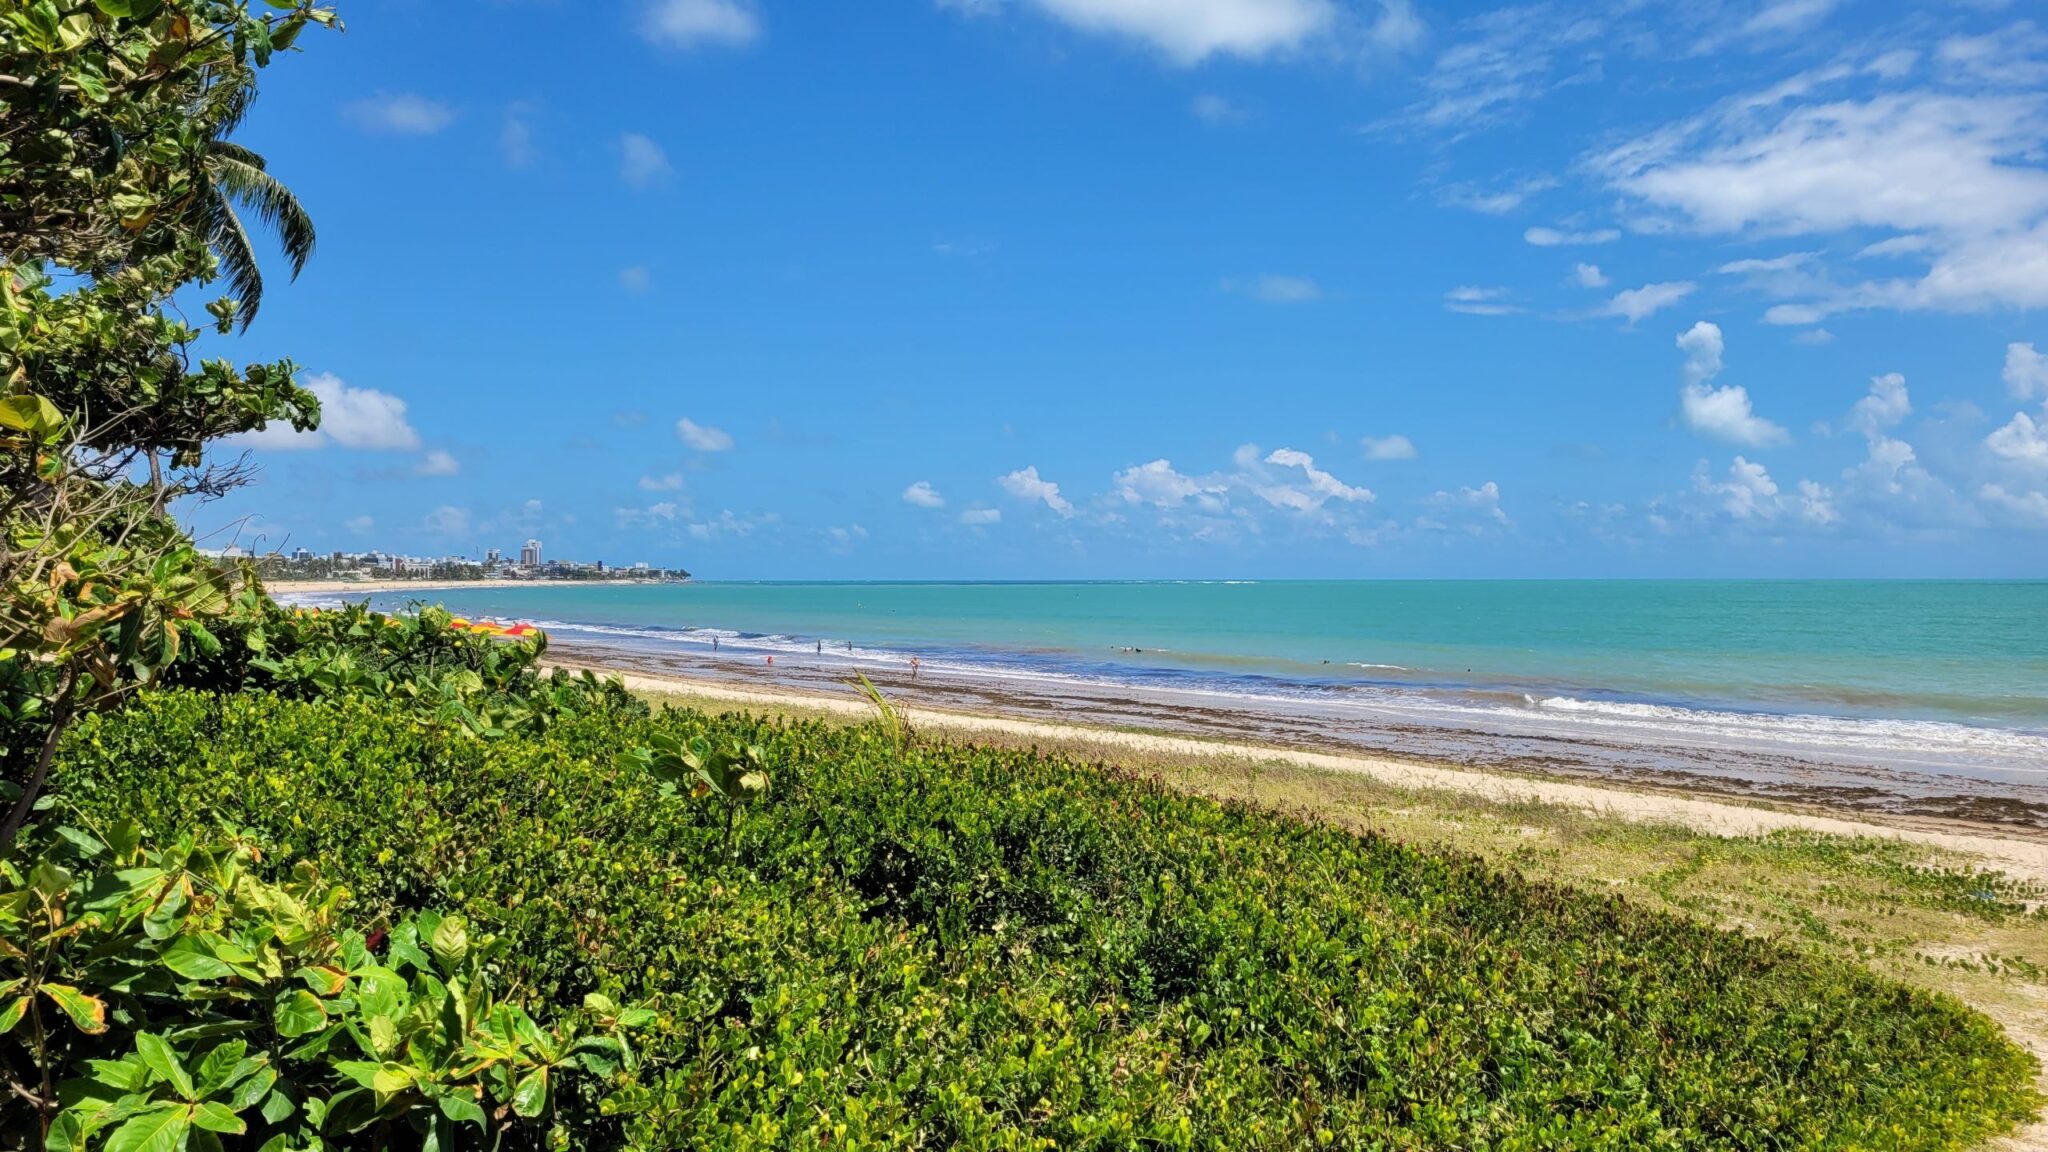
x,y
1973,653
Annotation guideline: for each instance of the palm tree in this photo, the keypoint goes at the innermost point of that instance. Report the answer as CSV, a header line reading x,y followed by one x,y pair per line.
x,y
236,179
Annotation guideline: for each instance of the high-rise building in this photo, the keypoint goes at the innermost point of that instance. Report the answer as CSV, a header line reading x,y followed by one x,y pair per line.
x,y
492,556
529,556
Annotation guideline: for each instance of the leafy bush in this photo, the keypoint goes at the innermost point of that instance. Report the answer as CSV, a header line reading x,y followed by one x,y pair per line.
x,y
910,944
483,685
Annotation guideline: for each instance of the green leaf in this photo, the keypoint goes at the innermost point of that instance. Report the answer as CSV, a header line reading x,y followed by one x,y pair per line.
x,y
276,1107
157,1054
299,1013
463,1110
88,1014
161,1128
11,1015
379,991
193,960
450,940
217,1117
530,1098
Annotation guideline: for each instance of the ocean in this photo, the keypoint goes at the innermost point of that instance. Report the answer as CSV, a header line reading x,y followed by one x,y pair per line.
x,y
1923,679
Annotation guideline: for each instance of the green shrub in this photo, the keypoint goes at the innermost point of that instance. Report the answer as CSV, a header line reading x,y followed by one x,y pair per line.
x,y
903,944
169,999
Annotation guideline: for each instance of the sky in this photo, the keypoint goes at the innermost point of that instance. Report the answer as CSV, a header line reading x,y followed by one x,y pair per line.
x,y
1033,289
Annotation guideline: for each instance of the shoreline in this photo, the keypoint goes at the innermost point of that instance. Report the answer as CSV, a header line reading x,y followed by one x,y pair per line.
x,y
385,587
2021,852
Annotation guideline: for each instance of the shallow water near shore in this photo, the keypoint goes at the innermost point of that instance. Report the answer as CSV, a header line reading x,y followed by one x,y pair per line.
x,y
1917,693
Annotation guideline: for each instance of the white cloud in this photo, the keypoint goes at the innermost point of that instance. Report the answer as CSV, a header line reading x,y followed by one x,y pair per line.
x,y
360,525
666,482
1321,488
703,437
1274,289
923,495
1814,336
1189,31
642,163
1749,492
1473,300
1633,304
448,522
438,463
1497,201
1026,484
1722,413
2026,371
1885,406
1557,238
1388,448
401,114
1817,504
693,23
664,512
1589,276
1959,172
360,418
2026,505
981,517
1213,109
1783,16
726,524
1483,500
843,538
2021,441
1159,485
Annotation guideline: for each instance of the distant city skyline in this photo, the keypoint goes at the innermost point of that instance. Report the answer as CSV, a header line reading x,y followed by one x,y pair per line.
x,y
1174,288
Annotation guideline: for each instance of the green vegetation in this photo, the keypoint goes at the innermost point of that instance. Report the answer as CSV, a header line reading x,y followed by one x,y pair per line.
x,y
893,943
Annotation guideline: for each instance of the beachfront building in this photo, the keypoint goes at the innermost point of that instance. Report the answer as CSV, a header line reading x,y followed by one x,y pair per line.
x,y
529,556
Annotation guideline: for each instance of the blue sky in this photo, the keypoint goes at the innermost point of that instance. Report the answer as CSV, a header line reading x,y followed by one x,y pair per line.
x,y
1124,288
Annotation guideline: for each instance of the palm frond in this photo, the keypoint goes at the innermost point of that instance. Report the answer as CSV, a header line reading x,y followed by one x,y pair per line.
x,y
230,242
248,185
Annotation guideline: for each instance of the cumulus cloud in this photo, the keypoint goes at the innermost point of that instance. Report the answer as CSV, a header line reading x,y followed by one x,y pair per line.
x,y
2029,506
359,418
651,516
981,517
700,23
1558,238
1634,304
666,482
1388,448
438,463
401,114
1723,413
2021,441
1886,405
1483,501
923,495
1159,485
1320,487
2026,371
703,437
1026,484
642,163
1589,276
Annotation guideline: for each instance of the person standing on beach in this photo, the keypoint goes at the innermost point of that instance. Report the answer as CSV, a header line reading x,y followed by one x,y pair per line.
x,y
913,667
